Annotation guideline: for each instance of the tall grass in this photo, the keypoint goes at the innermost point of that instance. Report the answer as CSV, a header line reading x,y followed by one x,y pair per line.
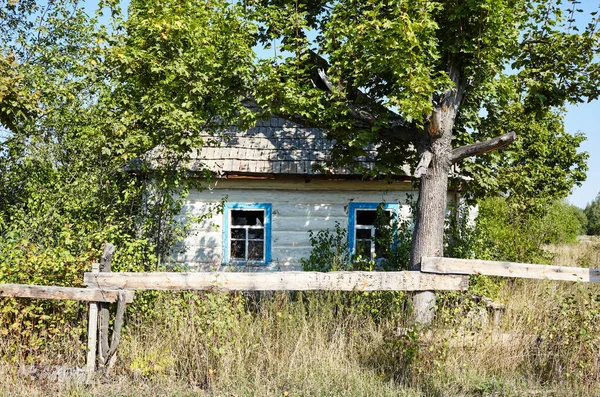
x,y
341,344
586,252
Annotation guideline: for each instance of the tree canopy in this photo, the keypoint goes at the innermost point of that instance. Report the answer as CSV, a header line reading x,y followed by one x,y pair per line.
x,y
464,77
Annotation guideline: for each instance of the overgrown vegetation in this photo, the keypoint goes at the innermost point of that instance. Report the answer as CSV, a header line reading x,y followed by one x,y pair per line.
x,y
312,344
96,125
84,161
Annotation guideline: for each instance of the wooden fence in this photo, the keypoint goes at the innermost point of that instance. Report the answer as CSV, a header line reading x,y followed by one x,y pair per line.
x,y
104,287
278,281
509,269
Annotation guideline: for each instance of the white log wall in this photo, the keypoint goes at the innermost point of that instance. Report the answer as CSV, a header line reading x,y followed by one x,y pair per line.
x,y
297,208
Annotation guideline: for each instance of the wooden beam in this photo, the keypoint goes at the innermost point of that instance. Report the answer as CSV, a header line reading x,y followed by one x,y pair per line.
x,y
104,313
63,293
92,334
116,336
509,269
278,281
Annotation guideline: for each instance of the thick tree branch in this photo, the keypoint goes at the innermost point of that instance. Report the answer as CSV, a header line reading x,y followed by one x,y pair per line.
x,y
365,118
325,80
482,147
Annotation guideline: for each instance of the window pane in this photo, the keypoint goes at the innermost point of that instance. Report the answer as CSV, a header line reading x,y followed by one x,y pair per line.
x,y
366,217
247,218
363,247
363,234
238,249
238,234
255,250
256,234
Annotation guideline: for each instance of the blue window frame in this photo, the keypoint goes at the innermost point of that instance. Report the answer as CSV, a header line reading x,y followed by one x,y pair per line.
x,y
362,230
247,233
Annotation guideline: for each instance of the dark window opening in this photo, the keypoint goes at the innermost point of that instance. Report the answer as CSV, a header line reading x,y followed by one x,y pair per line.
x,y
247,235
373,233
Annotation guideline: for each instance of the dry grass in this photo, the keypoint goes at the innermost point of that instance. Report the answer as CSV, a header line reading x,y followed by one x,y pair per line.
x,y
318,344
586,252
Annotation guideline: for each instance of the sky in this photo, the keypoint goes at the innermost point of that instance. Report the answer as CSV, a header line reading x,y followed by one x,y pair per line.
x,y
583,118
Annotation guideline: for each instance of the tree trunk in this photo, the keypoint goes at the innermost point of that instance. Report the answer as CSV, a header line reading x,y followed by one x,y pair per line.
x,y
428,235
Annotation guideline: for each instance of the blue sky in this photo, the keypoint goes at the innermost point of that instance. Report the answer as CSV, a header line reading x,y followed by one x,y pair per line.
x,y
584,118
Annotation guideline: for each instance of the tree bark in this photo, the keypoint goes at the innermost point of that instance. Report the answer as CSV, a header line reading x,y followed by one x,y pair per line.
x,y
428,234
482,147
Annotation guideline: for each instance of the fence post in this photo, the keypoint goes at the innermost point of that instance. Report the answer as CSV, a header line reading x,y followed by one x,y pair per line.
x,y
92,332
104,312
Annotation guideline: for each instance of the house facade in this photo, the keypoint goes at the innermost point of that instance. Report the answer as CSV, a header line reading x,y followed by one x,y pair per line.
x,y
270,192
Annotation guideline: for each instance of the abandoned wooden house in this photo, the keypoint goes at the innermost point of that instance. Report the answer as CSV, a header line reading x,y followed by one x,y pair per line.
x,y
275,193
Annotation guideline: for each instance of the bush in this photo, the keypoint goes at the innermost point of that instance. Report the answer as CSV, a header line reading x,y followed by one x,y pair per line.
x,y
508,231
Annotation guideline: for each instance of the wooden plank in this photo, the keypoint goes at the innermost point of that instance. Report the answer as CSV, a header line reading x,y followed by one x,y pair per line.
x,y
509,269
290,254
116,336
278,281
62,293
284,222
104,313
285,238
299,183
92,333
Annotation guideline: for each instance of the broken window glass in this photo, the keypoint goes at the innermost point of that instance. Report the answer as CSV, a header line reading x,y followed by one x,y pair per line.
x,y
373,230
247,235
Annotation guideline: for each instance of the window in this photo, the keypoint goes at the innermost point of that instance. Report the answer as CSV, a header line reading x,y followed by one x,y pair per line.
x,y
370,230
247,233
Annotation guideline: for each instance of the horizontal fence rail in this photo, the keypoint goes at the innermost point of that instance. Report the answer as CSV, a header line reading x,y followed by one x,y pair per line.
x,y
509,269
279,281
63,293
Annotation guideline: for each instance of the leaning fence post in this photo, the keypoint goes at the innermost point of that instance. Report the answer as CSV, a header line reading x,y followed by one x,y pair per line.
x,y
116,335
104,313
92,332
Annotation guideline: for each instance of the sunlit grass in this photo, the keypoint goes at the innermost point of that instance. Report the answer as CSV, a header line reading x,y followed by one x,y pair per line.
x,y
315,344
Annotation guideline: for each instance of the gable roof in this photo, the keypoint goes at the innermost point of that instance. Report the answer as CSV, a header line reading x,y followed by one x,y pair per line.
x,y
274,146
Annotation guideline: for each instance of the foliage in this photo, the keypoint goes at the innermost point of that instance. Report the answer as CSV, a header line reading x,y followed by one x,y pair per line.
x,y
329,250
592,212
542,166
506,233
460,236
564,222
382,56
573,339
56,186
182,69
213,316
68,178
